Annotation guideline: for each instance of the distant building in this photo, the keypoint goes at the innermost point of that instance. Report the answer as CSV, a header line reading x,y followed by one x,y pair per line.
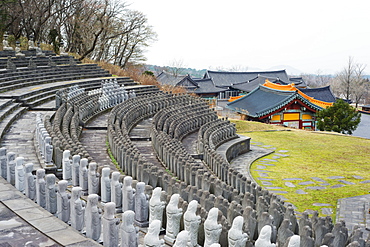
x,y
283,104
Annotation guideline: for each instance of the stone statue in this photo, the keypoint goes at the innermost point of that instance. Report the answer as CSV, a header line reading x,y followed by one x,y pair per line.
x,y
294,241
128,202
212,230
236,237
93,217
63,204
105,185
110,225
182,239
264,237
156,206
51,193
284,232
151,239
77,209
48,152
6,46
141,205
93,179
83,176
174,214
30,183
31,45
129,233
191,222
10,175
116,190
306,237
3,162
40,188
76,170
67,166
19,174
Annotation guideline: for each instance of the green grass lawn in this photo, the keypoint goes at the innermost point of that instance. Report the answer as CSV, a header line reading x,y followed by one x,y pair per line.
x,y
313,154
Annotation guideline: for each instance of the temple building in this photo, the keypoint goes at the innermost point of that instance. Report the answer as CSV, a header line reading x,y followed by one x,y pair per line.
x,y
283,104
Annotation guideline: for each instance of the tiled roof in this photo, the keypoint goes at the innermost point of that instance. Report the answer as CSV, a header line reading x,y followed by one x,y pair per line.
x,y
226,79
263,100
322,93
166,78
206,86
255,82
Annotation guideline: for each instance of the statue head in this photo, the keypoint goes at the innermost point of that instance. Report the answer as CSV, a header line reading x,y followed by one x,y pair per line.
x,y
40,173
3,151
19,162
66,154
115,176
105,172
76,159
238,223
295,241
265,233
62,186
11,156
182,239
156,196
50,180
128,220
93,199
154,227
109,210
174,201
140,187
192,207
83,162
92,166
29,167
76,193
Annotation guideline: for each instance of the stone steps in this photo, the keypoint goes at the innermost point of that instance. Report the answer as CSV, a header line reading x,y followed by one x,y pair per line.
x,y
9,117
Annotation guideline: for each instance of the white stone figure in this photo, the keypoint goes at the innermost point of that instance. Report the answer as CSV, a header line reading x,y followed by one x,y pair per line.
x,y
236,237
295,241
3,162
151,239
182,239
141,205
31,45
174,214
76,170
51,193
156,206
63,204
129,233
215,245
93,179
10,175
191,222
40,188
110,226
93,217
48,152
77,209
264,239
30,182
105,185
67,166
6,46
83,176
116,190
128,201
19,173
212,230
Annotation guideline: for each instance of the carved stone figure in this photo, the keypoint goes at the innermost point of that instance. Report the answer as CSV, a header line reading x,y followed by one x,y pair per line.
x,y
51,194
174,214
151,239
129,233
67,166
10,175
306,237
284,232
63,204
3,163
156,206
191,222
30,182
116,190
110,225
31,45
264,237
40,188
294,241
77,209
141,205
19,173
93,178
49,154
83,176
76,170
93,217
105,185
6,46
128,201
236,237
182,239
212,230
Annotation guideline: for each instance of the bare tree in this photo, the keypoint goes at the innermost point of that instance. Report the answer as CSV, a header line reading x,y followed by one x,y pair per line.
x,y
350,83
176,67
317,80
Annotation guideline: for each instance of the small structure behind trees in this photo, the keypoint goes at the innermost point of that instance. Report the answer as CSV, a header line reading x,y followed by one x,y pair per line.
x,y
340,117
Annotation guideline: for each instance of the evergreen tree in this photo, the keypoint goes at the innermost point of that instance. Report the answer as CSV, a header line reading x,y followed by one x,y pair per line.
x,y
340,117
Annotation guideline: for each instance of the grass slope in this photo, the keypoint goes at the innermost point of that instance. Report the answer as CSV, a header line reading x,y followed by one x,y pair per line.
x,y
313,154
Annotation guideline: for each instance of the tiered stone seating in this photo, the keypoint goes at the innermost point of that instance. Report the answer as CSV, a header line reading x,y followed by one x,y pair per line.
x,y
39,61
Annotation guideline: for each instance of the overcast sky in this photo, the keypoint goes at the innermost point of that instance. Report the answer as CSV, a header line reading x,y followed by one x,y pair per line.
x,y
307,35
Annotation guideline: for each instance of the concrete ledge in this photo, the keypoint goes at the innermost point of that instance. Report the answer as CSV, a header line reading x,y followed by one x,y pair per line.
x,y
232,149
